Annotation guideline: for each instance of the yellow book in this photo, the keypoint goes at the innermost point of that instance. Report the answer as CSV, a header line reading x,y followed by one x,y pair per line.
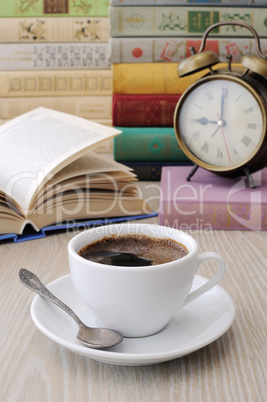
x,y
154,78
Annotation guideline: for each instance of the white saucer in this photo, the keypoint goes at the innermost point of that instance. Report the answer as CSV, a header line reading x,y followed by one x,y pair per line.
x,y
196,325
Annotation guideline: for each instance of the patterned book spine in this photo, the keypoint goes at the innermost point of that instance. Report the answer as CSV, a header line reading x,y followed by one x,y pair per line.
x,y
40,56
41,8
88,107
187,2
144,110
54,29
173,50
147,144
56,83
154,78
184,20
209,202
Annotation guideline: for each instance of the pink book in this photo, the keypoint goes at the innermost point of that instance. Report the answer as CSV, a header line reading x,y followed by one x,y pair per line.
x,y
212,202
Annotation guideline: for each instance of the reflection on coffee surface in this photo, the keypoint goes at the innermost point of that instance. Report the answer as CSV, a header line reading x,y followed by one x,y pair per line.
x,y
133,250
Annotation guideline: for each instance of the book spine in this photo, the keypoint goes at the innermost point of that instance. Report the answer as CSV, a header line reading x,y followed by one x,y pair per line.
x,y
151,171
40,56
184,215
184,20
41,8
187,2
147,144
211,202
88,107
210,216
144,110
56,83
173,50
154,78
61,29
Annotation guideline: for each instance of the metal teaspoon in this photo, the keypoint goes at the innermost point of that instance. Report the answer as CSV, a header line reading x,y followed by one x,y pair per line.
x,y
96,338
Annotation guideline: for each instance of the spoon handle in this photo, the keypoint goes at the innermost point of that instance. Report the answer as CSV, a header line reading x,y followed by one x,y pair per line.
x,y
30,280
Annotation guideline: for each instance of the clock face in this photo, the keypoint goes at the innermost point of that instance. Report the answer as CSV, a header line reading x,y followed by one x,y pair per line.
x,y
220,121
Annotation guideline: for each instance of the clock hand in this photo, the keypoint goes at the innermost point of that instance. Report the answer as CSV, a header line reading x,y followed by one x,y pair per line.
x,y
224,139
215,130
222,104
204,120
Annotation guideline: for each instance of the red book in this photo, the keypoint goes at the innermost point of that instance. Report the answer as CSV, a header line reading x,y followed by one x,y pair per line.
x,y
212,202
144,110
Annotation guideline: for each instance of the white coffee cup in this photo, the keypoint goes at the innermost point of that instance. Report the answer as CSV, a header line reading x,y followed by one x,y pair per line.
x,y
138,301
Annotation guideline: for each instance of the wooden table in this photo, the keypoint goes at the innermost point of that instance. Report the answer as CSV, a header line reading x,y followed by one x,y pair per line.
x,y
232,368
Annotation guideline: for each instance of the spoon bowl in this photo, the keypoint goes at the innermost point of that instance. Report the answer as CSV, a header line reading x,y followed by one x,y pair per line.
x,y
96,338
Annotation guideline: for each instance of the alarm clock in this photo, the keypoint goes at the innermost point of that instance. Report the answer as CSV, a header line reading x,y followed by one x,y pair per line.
x,y
220,121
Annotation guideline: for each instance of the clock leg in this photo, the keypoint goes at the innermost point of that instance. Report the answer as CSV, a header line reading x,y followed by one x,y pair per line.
x,y
250,179
193,171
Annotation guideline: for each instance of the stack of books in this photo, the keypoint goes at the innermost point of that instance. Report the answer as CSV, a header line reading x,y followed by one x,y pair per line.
x,y
167,38
55,54
148,38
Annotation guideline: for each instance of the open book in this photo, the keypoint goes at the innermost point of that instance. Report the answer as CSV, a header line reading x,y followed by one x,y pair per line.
x,y
48,173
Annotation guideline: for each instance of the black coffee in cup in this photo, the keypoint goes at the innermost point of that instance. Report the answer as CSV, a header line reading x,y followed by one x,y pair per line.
x,y
133,250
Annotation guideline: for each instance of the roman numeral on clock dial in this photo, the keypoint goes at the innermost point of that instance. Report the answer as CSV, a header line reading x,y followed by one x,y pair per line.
x,y
246,140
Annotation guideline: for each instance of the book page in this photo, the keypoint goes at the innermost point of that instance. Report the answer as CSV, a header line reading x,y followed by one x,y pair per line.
x,y
90,164
90,170
38,144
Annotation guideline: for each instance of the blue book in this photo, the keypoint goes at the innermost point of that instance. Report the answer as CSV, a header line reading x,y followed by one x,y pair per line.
x,y
31,234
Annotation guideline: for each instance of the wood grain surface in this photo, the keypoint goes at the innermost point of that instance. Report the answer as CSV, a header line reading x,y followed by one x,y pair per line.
x,y
232,368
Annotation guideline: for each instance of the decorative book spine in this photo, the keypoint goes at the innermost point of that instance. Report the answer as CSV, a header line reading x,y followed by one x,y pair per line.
x,y
54,29
209,202
174,50
41,8
147,144
47,56
154,78
184,20
56,83
144,110
88,107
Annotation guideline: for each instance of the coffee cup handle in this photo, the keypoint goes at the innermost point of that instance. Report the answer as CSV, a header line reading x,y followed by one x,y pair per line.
x,y
212,282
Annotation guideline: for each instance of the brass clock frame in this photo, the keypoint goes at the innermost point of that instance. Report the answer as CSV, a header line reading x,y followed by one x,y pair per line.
x,y
252,75
238,167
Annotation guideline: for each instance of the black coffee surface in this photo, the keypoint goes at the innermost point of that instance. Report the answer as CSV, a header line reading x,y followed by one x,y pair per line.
x,y
133,250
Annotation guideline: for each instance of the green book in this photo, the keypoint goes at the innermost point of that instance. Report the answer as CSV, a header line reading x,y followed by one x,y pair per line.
x,y
54,8
185,20
147,144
